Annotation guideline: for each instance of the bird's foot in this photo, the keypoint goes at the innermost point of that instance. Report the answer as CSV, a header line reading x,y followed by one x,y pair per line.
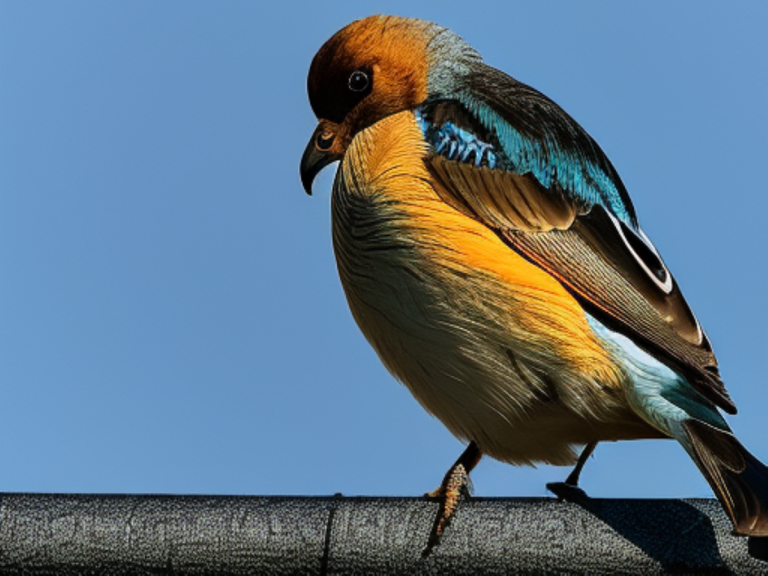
x,y
566,491
569,490
456,486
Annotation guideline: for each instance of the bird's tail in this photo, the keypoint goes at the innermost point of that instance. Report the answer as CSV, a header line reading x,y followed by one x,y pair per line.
x,y
738,479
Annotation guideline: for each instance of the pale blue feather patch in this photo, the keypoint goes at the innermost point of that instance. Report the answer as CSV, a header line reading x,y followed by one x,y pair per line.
x,y
656,392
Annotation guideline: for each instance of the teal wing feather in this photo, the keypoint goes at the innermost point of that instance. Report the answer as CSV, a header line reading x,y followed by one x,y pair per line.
x,y
532,174
540,138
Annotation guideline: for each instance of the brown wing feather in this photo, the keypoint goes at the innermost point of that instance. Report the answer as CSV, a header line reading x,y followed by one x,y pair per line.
x,y
583,248
500,199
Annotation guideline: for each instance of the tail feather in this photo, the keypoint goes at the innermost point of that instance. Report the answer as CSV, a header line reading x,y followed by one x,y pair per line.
x,y
739,480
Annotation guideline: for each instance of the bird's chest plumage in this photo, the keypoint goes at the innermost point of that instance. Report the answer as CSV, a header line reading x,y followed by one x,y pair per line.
x,y
485,340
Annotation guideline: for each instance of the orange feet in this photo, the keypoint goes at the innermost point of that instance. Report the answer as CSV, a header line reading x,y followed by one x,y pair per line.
x,y
456,486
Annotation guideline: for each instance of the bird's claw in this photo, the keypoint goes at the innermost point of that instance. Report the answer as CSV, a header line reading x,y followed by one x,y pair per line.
x,y
456,486
567,491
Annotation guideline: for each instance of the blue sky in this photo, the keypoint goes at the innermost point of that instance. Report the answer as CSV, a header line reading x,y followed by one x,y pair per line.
x,y
170,315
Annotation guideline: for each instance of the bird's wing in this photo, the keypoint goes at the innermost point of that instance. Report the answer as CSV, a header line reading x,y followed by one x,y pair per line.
x,y
560,204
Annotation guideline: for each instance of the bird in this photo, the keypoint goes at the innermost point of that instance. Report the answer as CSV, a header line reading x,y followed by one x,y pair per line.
x,y
492,257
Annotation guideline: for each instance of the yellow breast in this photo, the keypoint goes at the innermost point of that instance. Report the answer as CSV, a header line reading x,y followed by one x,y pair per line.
x,y
488,342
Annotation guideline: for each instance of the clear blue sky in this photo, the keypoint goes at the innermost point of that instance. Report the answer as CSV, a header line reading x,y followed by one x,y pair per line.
x,y
170,315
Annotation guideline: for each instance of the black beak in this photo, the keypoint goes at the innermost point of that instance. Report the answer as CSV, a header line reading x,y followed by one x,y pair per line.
x,y
317,155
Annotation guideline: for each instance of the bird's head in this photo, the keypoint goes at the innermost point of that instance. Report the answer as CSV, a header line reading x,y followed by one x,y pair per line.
x,y
371,69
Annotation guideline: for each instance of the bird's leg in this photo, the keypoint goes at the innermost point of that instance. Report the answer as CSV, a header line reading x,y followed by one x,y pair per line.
x,y
569,490
573,477
456,485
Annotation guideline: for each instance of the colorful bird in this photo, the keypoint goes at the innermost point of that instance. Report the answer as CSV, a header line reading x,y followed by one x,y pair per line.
x,y
492,257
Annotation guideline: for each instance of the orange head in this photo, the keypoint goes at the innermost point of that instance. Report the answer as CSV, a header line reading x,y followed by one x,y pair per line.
x,y
372,68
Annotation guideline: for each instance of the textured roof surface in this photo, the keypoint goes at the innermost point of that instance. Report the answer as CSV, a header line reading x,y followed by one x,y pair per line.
x,y
124,534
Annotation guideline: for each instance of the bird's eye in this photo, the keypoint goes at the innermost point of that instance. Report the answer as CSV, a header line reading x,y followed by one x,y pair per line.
x,y
324,140
358,81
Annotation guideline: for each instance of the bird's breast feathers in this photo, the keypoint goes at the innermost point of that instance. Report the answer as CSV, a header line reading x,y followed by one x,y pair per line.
x,y
490,343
